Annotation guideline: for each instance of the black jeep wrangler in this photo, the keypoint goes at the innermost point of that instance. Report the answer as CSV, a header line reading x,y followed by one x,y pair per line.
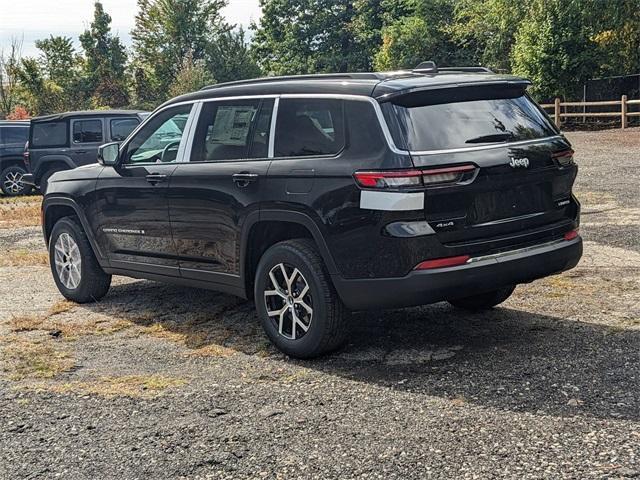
x,y
13,137
316,195
68,140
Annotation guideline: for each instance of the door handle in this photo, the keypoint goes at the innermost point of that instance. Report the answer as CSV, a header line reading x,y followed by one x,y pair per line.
x,y
154,178
244,179
80,151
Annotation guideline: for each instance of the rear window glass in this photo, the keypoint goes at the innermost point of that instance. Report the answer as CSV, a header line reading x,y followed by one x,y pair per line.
x,y
50,134
445,120
9,135
87,131
309,127
122,127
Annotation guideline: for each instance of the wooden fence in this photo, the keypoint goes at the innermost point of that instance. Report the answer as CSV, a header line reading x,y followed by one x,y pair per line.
x,y
559,110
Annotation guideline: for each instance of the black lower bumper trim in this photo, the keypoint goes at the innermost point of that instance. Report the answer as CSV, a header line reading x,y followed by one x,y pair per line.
x,y
430,286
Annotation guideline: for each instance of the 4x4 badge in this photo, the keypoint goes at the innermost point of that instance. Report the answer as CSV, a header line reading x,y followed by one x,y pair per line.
x,y
519,162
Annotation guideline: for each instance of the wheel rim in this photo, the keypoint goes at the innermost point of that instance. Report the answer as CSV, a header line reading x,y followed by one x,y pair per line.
x,y
68,261
288,301
13,182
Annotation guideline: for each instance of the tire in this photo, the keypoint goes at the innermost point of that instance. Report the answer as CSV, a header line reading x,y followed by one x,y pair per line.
x,y
10,183
87,282
483,301
326,326
44,180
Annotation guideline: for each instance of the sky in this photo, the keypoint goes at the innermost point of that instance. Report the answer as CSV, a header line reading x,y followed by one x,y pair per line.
x,y
30,20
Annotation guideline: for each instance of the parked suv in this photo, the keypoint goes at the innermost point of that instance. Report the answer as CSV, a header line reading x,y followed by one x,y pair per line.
x,y
68,140
316,195
13,136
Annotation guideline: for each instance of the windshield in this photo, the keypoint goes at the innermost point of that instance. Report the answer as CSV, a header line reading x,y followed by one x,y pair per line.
x,y
430,122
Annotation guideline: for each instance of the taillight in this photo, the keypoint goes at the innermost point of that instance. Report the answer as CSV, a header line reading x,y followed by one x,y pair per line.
x,y
443,262
25,155
571,235
564,158
415,178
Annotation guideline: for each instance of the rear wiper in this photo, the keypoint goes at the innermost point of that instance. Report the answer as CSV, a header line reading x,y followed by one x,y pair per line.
x,y
491,138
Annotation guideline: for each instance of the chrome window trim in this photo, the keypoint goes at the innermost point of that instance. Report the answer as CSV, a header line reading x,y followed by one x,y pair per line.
x,y
184,150
272,128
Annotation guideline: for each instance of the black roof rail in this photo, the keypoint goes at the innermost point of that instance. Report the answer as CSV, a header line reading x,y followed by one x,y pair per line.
x,y
477,69
320,76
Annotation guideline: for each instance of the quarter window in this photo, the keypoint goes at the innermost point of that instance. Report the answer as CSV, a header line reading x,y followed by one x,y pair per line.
x,y
49,134
309,127
233,130
159,140
87,131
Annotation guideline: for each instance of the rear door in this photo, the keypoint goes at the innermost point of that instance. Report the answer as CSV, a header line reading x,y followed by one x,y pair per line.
x,y
132,211
500,169
211,195
87,134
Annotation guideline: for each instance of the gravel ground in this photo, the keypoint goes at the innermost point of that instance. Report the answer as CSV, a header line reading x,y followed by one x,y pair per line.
x,y
164,382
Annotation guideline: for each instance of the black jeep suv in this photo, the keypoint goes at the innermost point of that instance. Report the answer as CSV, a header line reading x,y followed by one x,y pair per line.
x,y
13,136
68,140
316,195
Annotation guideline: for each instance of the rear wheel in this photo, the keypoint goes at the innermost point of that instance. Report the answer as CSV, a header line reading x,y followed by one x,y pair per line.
x,y
75,269
298,306
483,301
11,178
44,180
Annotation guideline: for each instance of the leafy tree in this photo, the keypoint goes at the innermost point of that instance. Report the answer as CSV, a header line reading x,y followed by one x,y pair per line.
x,y
166,31
308,36
62,65
41,95
105,61
192,76
554,47
229,57
9,78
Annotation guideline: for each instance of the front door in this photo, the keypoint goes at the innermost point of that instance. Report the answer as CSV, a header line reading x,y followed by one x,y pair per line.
x,y
211,195
132,218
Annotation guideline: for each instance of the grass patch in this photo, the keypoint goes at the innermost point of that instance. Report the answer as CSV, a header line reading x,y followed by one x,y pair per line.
x,y
61,307
116,386
67,327
23,358
20,212
24,258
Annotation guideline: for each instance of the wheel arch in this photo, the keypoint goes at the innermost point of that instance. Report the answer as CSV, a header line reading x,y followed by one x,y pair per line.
x,y
48,162
55,208
268,227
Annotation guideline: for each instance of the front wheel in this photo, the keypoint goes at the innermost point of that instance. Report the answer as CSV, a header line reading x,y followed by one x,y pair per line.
x,y
297,304
75,269
11,178
483,301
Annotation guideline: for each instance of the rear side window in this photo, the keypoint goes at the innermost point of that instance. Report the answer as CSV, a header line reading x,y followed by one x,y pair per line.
x,y
122,127
309,127
232,130
17,135
49,134
456,118
87,131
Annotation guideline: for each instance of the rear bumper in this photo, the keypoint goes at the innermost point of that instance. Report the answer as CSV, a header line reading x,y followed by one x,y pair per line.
x,y
480,275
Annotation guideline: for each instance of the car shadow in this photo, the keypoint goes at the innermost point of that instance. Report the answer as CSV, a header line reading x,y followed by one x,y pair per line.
x,y
504,358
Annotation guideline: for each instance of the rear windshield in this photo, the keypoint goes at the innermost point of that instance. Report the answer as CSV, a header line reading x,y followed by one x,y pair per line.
x,y
49,134
455,118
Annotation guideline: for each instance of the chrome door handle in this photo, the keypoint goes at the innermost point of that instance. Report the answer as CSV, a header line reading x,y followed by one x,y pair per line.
x,y
244,179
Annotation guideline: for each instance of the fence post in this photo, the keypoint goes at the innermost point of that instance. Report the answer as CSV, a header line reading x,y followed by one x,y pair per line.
x,y
623,111
556,113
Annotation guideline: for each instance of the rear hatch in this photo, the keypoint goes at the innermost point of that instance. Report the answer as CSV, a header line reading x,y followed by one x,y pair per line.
x,y
512,171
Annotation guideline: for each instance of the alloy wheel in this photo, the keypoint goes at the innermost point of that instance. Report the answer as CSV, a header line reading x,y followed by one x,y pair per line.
x,y
12,182
68,261
288,301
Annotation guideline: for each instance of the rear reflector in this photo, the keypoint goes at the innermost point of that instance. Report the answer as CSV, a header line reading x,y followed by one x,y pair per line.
x,y
414,178
571,235
442,262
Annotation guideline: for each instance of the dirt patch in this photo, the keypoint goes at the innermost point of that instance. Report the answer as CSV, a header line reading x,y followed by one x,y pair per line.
x,y
23,358
20,211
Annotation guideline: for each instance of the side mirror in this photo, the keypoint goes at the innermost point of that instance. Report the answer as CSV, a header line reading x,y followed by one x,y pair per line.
x,y
109,154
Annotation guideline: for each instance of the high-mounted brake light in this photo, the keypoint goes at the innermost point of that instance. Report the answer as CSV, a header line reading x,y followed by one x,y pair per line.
x,y
442,262
564,157
413,177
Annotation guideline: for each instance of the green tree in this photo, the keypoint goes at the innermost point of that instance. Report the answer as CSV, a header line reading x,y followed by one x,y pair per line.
x,y
166,31
229,57
554,48
9,78
62,66
308,36
41,95
105,78
192,76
